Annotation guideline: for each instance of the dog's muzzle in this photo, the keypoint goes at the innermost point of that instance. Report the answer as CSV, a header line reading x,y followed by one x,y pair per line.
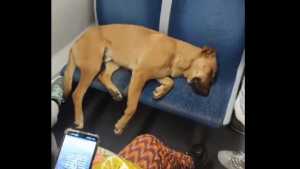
x,y
198,86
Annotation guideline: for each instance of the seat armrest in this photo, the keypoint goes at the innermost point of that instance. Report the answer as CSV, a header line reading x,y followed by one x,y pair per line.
x,y
235,89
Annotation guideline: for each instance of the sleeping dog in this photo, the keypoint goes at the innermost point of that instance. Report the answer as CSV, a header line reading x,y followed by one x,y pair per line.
x,y
147,53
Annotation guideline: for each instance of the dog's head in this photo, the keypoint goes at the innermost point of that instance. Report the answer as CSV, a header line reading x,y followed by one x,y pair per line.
x,y
202,71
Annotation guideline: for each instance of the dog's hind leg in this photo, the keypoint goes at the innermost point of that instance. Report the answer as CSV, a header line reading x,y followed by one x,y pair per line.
x,y
105,78
136,85
88,57
86,78
166,85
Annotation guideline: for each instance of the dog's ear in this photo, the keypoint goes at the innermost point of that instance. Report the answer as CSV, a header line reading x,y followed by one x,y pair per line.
x,y
208,52
182,62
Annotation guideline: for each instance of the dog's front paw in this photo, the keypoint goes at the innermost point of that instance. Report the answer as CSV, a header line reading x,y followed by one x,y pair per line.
x,y
118,129
159,92
116,95
79,124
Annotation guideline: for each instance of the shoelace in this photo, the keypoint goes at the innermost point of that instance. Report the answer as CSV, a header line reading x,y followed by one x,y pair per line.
x,y
237,160
59,91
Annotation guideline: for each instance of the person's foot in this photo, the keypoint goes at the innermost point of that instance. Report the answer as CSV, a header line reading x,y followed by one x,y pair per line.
x,y
198,154
232,159
57,90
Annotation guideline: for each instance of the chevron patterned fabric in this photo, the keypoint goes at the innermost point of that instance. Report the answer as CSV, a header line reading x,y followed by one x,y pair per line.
x,y
149,152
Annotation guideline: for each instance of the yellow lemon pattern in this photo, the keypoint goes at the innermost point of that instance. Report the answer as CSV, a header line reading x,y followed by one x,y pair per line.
x,y
112,161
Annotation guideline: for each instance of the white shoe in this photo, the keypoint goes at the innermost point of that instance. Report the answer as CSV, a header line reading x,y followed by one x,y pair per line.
x,y
232,159
57,89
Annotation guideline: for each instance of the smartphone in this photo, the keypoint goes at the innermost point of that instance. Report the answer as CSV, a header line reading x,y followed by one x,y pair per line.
x,y
77,150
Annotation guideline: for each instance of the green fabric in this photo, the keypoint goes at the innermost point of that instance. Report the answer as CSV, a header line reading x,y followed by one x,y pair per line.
x,y
57,94
104,151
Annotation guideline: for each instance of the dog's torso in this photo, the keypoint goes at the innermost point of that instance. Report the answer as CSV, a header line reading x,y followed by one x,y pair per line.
x,y
133,47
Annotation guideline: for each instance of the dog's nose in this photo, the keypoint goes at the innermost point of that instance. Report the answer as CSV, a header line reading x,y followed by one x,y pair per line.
x,y
205,93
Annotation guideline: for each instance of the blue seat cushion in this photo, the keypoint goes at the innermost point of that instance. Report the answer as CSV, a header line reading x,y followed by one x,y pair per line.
x,y
216,23
182,101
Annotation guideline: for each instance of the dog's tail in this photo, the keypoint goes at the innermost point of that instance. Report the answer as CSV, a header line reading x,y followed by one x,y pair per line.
x,y
68,77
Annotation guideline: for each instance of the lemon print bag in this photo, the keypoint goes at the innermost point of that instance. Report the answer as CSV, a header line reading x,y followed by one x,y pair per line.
x,y
111,161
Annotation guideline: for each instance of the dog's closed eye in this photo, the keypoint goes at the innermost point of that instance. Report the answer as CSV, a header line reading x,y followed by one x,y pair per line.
x,y
212,76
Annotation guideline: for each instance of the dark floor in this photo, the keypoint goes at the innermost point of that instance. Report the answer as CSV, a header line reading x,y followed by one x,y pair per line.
x,y
101,113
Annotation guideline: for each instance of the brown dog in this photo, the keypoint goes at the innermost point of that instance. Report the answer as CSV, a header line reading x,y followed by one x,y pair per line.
x,y
148,53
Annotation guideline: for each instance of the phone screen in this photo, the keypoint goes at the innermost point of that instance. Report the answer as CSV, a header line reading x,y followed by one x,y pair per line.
x,y
77,151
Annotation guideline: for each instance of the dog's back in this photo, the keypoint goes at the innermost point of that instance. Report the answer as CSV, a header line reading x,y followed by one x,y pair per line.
x,y
127,42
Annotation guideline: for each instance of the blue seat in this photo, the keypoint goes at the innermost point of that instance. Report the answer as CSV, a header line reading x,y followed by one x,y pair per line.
x,y
219,24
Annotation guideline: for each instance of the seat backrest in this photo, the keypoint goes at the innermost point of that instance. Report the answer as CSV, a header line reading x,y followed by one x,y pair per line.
x,y
138,12
216,23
